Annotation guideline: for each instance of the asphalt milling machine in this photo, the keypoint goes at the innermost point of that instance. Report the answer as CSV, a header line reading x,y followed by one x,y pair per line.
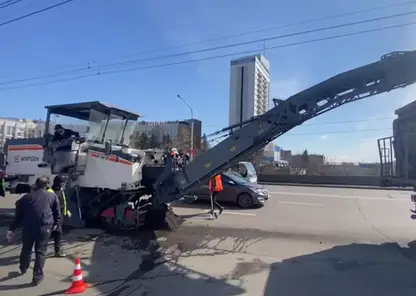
x,y
121,187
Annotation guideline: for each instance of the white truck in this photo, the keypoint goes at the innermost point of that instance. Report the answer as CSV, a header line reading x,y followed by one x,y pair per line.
x,y
24,159
246,170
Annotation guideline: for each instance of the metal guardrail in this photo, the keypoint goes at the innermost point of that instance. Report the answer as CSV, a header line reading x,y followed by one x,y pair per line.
x,y
375,181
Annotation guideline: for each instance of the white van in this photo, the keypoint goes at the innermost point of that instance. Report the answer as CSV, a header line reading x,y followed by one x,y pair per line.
x,y
246,170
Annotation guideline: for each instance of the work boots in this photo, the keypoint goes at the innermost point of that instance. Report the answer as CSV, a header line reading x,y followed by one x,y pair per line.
x,y
60,254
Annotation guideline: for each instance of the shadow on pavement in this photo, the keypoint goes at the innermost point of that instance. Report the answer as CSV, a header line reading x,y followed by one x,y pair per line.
x,y
12,275
205,204
153,263
115,264
6,217
140,263
355,269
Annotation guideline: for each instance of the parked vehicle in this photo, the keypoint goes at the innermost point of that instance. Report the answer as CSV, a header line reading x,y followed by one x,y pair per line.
x,y
236,190
246,170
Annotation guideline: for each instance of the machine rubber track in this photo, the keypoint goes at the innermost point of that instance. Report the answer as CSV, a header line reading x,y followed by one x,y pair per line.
x,y
162,218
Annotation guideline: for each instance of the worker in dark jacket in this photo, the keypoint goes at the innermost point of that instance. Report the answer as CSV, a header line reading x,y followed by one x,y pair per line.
x,y
175,159
38,214
58,188
2,183
62,133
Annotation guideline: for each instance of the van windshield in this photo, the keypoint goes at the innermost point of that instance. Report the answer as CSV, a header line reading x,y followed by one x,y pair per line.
x,y
251,171
236,177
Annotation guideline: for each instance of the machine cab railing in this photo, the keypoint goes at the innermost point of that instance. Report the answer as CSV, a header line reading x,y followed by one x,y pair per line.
x,y
105,127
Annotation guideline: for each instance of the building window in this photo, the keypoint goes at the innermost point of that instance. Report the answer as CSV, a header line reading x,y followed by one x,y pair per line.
x,y
10,132
31,133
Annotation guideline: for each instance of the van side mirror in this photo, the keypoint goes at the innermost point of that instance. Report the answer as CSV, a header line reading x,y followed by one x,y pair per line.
x,y
108,147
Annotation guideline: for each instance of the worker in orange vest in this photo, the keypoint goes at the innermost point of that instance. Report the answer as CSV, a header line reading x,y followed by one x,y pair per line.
x,y
215,187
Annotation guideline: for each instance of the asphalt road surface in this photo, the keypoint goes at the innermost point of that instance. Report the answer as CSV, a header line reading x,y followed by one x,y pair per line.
x,y
304,241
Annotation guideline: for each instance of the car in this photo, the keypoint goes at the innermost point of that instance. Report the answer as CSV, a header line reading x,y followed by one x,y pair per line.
x,y
236,190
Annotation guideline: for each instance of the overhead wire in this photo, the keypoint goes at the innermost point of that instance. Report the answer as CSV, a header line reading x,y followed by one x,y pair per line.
x,y
6,2
135,61
304,22
216,57
35,12
249,33
9,3
23,7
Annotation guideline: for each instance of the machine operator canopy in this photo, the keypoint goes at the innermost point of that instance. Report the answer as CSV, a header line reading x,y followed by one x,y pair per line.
x,y
82,110
102,121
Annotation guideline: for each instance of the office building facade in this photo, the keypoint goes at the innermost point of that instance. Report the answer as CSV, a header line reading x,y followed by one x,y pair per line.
x,y
249,88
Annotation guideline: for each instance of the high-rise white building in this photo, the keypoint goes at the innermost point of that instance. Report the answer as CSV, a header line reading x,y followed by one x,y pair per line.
x,y
249,88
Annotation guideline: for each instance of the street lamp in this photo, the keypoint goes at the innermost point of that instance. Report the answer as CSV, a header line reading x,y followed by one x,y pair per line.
x,y
192,125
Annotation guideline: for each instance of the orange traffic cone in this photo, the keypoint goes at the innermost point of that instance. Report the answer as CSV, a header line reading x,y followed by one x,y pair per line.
x,y
78,286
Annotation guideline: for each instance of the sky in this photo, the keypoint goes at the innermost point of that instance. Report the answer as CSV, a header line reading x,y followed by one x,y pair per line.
x,y
153,37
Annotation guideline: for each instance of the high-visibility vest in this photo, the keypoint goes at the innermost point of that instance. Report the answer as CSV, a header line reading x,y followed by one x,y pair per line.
x,y
3,184
218,184
65,211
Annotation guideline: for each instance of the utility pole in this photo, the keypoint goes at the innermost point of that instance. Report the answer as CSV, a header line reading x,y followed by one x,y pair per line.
x,y
192,125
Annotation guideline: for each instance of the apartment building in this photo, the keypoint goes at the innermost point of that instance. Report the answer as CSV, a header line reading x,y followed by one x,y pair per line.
x,y
249,88
17,128
250,92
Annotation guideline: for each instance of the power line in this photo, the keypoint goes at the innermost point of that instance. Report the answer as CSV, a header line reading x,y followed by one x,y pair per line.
x,y
34,13
304,22
215,57
5,2
9,3
135,61
352,13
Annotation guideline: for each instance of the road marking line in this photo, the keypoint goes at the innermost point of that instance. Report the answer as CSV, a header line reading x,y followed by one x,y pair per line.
x,y
240,214
340,196
301,203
